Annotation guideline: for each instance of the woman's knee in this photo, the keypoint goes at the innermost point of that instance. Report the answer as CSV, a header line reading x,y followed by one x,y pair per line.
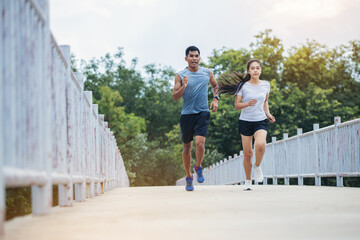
x,y
260,146
248,154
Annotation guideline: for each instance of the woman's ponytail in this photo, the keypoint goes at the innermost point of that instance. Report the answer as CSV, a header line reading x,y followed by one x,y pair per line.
x,y
232,83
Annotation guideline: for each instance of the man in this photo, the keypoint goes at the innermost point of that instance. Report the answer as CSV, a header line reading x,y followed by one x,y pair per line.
x,y
192,85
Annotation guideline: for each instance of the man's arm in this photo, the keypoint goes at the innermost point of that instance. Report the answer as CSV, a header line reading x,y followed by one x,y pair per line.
x,y
215,87
178,89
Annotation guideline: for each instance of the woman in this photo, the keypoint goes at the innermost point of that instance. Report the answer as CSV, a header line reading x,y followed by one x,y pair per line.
x,y
252,99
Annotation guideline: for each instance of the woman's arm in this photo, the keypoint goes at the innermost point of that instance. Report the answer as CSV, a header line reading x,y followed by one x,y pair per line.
x,y
240,105
267,111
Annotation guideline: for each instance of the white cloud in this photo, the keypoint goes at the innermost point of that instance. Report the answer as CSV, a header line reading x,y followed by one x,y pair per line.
x,y
307,9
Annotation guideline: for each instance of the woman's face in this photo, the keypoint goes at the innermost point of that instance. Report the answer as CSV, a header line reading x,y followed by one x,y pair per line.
x,y
254,70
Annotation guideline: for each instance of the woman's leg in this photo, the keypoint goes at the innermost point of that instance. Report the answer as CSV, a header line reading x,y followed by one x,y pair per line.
x,y
248,153
260,141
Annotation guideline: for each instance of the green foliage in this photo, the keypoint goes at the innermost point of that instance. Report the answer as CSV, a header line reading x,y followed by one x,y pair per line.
x,y
151,163
141,112
18,202
211,157
125,126
269,50
226,60
310,83
223,133
112,71
156,104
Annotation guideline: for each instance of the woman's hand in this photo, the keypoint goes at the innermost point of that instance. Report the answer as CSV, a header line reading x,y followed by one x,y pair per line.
x,y
252,102
270,117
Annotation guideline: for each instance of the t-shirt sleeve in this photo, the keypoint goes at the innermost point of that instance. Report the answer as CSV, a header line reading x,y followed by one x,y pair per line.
x,y
240,93
268,87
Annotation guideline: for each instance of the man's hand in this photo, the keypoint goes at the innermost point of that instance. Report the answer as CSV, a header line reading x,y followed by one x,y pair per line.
x,y
214,105
185,81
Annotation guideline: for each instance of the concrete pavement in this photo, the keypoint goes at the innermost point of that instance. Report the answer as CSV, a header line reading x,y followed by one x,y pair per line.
x,y
210,212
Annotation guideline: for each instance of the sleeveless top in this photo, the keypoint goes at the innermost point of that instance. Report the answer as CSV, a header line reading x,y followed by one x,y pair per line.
x,y
195,96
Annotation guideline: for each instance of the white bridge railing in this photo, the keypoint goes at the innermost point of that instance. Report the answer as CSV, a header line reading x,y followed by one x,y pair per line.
x,y
332,151
50,132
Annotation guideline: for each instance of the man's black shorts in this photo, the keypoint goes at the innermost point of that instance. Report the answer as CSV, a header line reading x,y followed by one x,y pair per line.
x,y
247,128
194,125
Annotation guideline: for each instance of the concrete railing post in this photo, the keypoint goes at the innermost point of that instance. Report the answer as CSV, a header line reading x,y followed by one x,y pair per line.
x,y
339,178
218,180
286,180
90,168
273,140
2,183
317,159
97,151
229,172
300,178
241,163
66,191
236,166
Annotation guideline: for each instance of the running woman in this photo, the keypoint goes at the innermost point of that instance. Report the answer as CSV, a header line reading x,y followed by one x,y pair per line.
x,y
251,97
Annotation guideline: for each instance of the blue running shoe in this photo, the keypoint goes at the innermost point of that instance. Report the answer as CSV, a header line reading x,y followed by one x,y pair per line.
x,y
189,184
199,174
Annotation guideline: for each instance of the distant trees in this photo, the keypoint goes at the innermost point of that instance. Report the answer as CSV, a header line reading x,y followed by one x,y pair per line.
x,y
310,83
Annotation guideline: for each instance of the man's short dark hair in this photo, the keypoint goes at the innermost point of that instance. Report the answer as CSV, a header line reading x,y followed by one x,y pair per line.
x,y
191,48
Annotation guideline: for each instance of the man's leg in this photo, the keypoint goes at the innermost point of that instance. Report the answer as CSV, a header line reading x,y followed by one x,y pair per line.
x,y
200,152
186,156
200,149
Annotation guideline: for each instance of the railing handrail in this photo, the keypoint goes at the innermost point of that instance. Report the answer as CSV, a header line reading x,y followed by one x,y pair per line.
x,y
54,133
283,147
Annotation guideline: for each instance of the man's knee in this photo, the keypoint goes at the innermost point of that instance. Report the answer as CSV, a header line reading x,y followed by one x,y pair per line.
x,y
200,143
187,147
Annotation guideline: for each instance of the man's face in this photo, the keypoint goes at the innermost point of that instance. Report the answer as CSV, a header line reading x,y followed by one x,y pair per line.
x,y
193,58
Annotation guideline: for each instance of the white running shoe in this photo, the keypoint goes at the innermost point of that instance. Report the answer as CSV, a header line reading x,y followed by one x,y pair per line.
x,y
247,185
259,177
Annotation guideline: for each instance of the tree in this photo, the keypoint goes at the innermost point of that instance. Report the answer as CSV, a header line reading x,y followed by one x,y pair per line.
x,y
269,50
156,104
112,71
225,60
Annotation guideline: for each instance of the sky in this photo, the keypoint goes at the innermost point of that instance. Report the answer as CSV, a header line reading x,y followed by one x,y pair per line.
x,y
159,31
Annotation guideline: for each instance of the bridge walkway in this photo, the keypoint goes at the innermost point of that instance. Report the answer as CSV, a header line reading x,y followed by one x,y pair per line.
x,y
210,212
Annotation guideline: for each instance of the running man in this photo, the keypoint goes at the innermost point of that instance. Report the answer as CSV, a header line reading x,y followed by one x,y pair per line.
x,y
192,85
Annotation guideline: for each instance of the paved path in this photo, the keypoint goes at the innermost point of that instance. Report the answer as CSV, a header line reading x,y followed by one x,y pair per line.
x,y
210,212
